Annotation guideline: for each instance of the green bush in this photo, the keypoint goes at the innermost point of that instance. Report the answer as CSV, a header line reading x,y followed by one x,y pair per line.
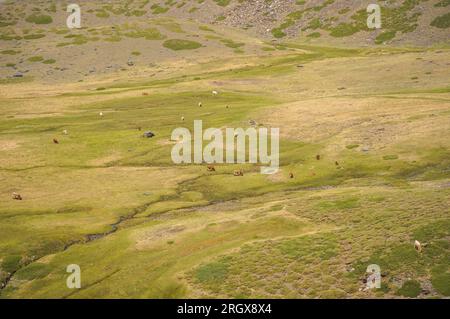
x,y
410,288
442,22
11,263
39,19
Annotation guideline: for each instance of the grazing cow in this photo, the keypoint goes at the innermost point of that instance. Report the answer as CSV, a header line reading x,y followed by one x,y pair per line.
x,y
291,175
336,163
101,114
200,104
182,118
65,132
16,196
145,94
418,246
238,173
211,168
318,157
55,141
215,92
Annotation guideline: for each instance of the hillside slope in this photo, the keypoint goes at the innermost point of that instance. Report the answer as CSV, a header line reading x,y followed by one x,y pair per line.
x,y
117,36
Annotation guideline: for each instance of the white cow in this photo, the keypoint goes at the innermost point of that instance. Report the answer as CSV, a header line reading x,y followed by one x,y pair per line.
x,y
418,246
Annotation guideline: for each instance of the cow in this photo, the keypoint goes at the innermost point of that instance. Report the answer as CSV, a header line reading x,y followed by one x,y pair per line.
x,y
238,173
16,196
418,246
55,141
211,168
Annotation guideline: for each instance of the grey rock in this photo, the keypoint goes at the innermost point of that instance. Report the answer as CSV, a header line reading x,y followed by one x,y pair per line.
x,y
148,134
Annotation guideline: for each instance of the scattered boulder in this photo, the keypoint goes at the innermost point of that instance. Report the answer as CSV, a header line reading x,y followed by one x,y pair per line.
x,y
148,134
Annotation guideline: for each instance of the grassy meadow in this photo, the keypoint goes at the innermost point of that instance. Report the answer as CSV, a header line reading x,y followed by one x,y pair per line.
x,y
111,201
363,131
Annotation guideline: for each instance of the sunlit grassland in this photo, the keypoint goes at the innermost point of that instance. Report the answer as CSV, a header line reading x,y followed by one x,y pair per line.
x,y
181,231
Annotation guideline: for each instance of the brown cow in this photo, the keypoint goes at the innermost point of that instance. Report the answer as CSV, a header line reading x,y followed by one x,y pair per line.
x,y
318,157
238,173
55,141
291,175
211,168
16,196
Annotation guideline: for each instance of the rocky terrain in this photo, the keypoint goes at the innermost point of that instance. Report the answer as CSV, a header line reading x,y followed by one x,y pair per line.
x,y
117,35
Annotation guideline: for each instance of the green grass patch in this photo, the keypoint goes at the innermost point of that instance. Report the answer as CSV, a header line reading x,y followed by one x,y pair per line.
x,y
177,44
442,22
36,58
390,157
39,19
410,288
11,263
49,61
33,271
